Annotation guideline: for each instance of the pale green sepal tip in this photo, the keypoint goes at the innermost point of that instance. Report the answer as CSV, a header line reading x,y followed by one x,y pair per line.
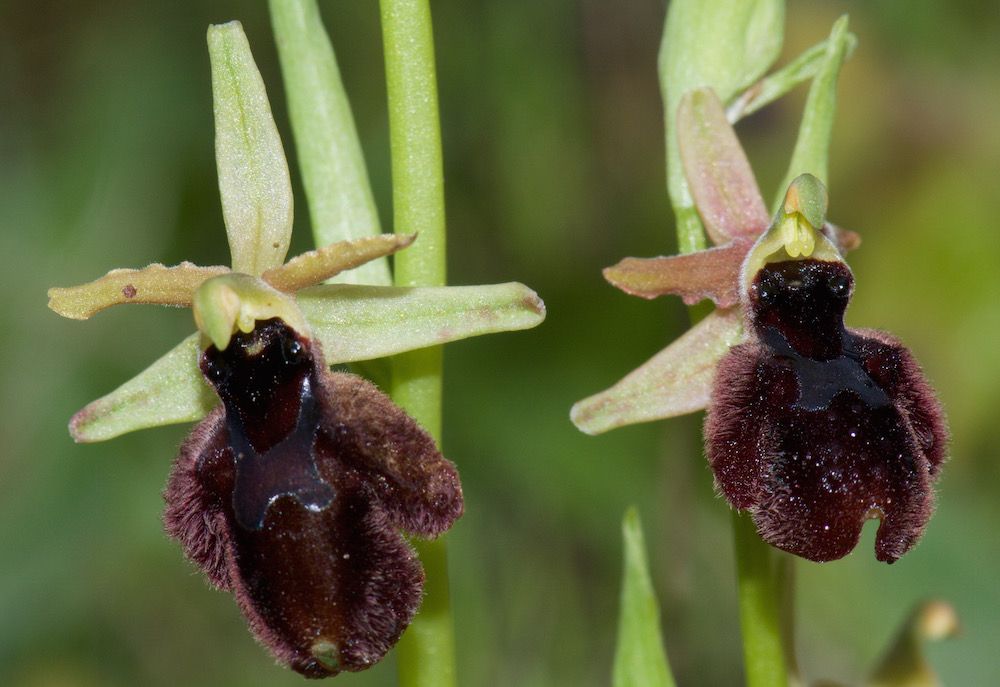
x,y
235,302
169,391
675,381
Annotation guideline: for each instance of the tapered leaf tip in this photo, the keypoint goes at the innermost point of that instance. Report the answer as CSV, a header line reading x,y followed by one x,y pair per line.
x,y
640,659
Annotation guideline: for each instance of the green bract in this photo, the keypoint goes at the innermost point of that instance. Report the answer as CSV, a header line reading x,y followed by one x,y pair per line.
x,y
639,655
352,322
253,176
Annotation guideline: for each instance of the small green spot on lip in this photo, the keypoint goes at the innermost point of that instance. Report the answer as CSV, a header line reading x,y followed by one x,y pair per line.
x,y
327,653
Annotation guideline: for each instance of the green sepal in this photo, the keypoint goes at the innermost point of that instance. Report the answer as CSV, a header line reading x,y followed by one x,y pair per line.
x,y
364,322
351,322
676,381
169,391
254,184
812,147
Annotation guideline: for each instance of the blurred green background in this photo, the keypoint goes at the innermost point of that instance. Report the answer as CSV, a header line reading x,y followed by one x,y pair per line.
x,y
553,150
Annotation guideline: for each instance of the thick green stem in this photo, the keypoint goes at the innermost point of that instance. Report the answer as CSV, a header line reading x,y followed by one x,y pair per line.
x,y
760,607
426,654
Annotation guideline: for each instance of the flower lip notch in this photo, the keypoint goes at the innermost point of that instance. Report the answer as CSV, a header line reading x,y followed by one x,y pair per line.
x,y
293,493
812,427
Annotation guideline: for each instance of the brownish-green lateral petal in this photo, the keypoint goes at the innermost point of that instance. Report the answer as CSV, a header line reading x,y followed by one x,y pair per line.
x,y
153,284
676,381
717,170
318,265
712,273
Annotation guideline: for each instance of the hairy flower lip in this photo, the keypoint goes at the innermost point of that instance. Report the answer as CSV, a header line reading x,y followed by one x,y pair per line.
x,y
806,377
349,582
821,428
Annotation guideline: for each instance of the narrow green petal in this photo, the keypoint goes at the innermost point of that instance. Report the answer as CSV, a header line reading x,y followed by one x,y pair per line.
x,y
676,381
154,283
341,204
361,322
640,660
253,174
718,173
169,391
725,45
773,86
812,147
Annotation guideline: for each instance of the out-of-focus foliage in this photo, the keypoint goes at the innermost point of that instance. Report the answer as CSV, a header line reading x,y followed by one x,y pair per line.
x,y
553,147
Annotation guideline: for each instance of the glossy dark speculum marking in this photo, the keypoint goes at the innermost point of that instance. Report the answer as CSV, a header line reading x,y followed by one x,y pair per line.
x,y
292,495
265,383
815,428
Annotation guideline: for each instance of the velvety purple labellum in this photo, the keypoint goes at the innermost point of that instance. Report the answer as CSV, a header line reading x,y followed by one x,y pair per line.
x,y
292,495
815,428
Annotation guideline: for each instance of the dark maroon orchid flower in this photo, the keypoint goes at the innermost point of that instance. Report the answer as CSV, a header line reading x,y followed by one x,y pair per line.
x,y
293,493
815,428
812,427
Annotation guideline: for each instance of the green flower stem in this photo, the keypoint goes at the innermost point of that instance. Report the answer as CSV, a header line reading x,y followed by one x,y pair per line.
x,y
784,580
426,654
760,607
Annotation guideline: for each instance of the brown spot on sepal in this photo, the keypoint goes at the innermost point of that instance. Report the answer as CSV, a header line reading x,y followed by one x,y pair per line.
x,y
326,581
814,428
129,291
